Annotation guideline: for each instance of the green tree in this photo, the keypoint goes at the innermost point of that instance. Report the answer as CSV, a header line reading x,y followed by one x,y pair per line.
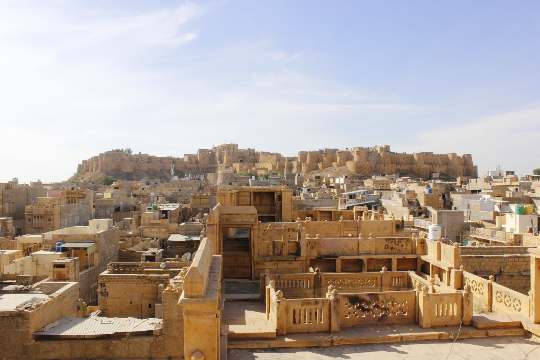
x,y
536,171
108,180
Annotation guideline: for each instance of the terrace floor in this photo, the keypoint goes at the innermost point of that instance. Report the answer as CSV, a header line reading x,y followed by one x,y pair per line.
x,y
247,320
469,349
246,327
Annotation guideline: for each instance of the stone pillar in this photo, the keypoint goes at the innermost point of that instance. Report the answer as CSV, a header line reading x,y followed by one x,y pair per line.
x,y
467,302
418,264
394,264
535,285
331,294
491,280
318,291
338,265
418,291
456,278
282,313
264,280
201,318
424,315
385,280
267,298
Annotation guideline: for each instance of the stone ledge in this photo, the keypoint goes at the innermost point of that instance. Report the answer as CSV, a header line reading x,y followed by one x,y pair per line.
x,y
372,335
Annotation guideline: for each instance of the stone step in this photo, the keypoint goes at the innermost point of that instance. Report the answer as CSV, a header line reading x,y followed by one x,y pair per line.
x,y
241,290
532,328
242,297
246,333
496,321
371,335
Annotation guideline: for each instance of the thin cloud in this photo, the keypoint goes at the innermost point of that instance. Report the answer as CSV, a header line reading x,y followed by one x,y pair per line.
x,y
508,139
74,87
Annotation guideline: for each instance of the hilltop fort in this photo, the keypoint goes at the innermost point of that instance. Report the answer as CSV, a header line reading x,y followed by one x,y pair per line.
x,y
362,161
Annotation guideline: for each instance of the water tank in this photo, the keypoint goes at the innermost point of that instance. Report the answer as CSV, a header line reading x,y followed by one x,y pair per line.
x,y
428,190
528,209
434,232
58,247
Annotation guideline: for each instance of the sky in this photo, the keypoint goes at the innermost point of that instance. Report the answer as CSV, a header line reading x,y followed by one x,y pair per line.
x,y
78,78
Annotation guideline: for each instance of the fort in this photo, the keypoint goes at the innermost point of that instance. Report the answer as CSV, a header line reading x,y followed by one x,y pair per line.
x,y
362,161
184,269
234,197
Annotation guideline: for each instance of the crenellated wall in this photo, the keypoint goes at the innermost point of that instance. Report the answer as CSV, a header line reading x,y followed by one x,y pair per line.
x,y
378,160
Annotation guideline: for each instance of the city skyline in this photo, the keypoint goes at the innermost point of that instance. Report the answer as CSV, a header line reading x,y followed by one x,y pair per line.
x,y
166,78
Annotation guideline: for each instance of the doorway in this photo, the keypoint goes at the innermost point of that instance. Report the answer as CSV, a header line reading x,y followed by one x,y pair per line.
x,y
236,252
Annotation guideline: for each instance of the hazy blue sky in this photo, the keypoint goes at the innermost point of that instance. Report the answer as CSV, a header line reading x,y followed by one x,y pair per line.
x,y
166,77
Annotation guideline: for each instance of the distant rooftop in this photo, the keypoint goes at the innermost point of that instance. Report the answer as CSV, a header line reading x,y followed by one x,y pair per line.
x,y
182,238
78,245
97,327
13,302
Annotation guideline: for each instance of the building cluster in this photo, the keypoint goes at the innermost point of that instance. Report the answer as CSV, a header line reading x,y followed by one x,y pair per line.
x,y
230,248
227,163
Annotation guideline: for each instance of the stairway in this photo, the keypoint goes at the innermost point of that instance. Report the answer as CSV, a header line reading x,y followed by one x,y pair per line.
x,y
246,320
241,290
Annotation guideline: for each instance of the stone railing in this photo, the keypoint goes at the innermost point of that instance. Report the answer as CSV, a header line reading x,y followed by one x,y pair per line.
x,y
419,283
352,281
444,309
495,250
493,235
433,250
141,267
447,254
304,315
300,285
311,285
125,267
356,246
307,315
488,296
505,300
481,289
331,312
422,224
451,255
196,279
389,307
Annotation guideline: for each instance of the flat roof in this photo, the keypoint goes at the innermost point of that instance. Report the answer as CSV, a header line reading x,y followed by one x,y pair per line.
x,y
170,206
96,326
43,252
8,251
181,238
359,191
78,245
12,302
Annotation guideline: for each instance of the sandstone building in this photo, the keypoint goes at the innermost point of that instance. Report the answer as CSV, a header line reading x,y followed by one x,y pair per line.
x,y
14,197
378,160
70,208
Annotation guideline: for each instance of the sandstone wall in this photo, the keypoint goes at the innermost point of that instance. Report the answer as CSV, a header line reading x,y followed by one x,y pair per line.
x,y
379,160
